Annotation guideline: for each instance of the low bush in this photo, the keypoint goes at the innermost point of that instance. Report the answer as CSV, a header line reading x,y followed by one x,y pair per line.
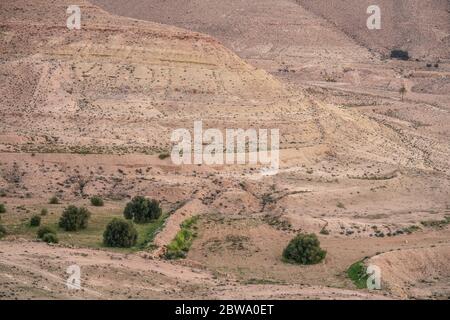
x,y
2,208
409,230
304,249
42,231
50,238
2,231
54,200
35,221
164,155
400,54
97,201
74,218
340,205
120,233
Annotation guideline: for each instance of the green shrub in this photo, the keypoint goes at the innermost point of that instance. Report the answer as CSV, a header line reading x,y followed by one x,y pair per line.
x,y
74,218
97,201
164,155
35,221
54,200
50,238
44,212
142,210
400,54
410,229
304,249
2,231
2,208
42,231
120,233
340,205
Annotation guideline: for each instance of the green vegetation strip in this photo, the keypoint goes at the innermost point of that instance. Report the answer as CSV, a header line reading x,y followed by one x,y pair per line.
x,y
436,223
148,232
357,273
180,245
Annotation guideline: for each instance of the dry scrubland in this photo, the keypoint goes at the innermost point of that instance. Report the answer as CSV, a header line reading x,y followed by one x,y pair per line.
x,y
89,112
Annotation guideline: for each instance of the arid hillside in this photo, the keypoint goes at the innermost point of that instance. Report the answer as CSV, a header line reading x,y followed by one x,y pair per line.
x,y
90,112
295,45
272,34
112,71
152,79
295,41
420,27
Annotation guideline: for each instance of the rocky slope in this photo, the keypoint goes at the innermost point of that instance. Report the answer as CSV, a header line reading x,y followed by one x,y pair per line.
x,y
420,27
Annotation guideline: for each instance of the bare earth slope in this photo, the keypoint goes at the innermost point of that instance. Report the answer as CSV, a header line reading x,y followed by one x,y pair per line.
x,y
298,46
411,273
151,71
274,35
152,79
33,270
420,27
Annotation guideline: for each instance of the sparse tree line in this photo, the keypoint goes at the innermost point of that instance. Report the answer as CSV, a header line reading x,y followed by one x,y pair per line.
x,y
121,232
118,233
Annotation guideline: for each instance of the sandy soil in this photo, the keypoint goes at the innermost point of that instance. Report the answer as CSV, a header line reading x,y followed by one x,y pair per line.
x,y
35,270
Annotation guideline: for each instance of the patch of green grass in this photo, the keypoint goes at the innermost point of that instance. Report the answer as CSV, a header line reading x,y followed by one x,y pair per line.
x,y
148,231
357,273
180,245
92,236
